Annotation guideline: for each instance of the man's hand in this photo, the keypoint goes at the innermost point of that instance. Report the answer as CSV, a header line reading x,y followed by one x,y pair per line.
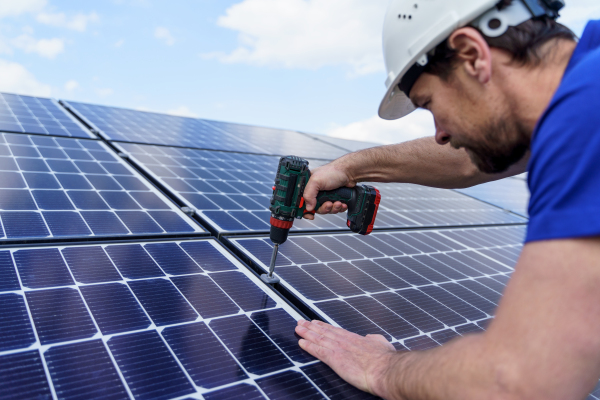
x,y
327,177
362,361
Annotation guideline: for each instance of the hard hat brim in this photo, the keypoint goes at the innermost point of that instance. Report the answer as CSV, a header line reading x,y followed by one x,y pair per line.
x,y
395,104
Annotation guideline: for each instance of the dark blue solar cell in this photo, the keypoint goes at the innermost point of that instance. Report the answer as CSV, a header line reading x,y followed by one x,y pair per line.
x,y
8,275
23,377
172,259
119,201
113,167
279,326
32,164
102,156
114,308
263,251
178,185
24,151
40,181
242,392
90,264
204,358
420,343
223,201
103,182
90,167
332,385
357,277
71,181
52,200
11,127
11,180
250,220
434,308
468,328
414,315
257,354
87,200
8,164
60,315
15,327
24,224
170,221
84,370
444,336
454,303
52,153
205,296
404,273
289,384
91,145
243,291
383,317
332,280
131,183
67,223
304,283
207,256
43,141
482,290
163,302
148,367
41,268
149,200
350,319
200,201
139,222
76,154
225,221
16,200
133,262
68,143
104,223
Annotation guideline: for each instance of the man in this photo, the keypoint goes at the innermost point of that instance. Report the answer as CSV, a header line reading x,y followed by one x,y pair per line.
x,y
505,99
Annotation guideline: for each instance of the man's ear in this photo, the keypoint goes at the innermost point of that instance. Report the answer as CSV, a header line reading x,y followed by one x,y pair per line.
x,y
473,53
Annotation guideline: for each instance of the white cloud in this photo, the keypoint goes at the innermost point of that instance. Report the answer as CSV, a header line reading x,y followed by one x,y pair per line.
x,y
120,43
415,125
306,33
15,78
182,111
104,92
48,48
71,85
78,22
577,13
164,35
17,7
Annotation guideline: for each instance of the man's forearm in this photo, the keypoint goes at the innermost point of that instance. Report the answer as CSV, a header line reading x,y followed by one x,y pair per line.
x,y
421,161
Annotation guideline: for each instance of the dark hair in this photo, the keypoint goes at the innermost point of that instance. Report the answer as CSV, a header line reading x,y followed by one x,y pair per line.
x,y
523,42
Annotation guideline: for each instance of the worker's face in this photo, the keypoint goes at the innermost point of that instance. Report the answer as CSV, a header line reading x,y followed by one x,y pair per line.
x,y
474,119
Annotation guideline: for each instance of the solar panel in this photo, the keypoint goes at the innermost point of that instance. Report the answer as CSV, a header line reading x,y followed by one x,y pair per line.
x,y
125,125
417,288
509,193
64,187
81,323
38,115
231,191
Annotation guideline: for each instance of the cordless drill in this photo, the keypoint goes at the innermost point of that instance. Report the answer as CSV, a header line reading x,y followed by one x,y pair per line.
x,y
287,203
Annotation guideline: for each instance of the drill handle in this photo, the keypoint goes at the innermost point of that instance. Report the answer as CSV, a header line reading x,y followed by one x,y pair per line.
x,y
345,195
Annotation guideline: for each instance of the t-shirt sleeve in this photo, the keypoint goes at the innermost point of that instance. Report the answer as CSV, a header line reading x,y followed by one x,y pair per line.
x,y
564,169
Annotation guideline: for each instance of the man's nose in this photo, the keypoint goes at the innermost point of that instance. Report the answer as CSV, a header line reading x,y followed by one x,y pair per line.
x,y
441,136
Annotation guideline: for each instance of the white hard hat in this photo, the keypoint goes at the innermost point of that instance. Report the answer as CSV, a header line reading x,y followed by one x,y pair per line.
x,y
412,28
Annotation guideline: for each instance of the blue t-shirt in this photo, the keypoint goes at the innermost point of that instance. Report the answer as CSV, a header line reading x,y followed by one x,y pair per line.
x,y
564,168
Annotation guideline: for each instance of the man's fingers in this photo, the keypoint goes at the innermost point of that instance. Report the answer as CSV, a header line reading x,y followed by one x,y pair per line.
x,y
382,339
315,350
322,338
325,208
309,216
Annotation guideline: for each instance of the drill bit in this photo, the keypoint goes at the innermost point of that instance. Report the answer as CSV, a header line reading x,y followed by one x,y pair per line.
x,y
270,278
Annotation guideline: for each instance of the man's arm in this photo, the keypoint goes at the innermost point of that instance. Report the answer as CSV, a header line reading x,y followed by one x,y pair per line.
x,y
421,161
543,343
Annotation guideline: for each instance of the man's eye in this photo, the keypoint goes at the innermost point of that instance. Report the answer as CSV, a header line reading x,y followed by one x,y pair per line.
x,y
426,105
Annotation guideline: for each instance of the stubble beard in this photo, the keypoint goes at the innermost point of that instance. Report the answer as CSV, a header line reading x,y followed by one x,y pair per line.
x,y
502,145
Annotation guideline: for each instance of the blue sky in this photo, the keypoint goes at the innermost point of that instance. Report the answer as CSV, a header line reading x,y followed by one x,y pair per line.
x,y
308,65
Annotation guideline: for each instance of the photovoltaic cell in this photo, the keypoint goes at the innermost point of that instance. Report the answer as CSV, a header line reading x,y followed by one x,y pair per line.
x,y
232,192
443,280
38,115
53,187
289,383
144,127
508,193
215,328
332,385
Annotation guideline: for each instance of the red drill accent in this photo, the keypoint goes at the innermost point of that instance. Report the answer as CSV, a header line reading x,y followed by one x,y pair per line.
x,y
281,224
377,200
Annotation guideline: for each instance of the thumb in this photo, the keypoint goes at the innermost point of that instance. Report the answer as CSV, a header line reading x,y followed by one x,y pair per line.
x,y
310,194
